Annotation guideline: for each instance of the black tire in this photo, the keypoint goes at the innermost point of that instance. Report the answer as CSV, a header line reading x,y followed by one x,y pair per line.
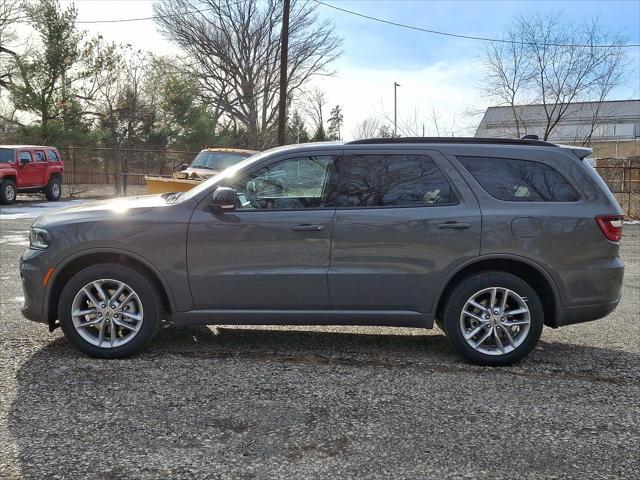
x,y
463,291
53,190
143,287
8,191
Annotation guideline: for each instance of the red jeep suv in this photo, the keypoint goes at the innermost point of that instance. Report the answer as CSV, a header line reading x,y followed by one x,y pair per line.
x,y
28,168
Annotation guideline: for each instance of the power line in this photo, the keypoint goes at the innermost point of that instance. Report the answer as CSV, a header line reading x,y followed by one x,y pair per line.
x,y
381,20
467,37
122,20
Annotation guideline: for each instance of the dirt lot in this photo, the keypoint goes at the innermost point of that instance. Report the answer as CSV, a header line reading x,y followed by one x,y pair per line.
x,y
317,402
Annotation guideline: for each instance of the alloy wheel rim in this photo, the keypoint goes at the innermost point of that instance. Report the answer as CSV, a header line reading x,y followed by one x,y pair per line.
x,y
9,192
107,313
495,321
55,189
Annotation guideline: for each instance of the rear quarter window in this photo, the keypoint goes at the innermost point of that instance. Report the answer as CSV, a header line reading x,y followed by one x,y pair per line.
x,y
53,156
515,180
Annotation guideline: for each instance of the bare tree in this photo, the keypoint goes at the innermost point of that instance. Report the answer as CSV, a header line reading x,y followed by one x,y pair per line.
x,y
314,103
9,17
123,105
234,48
509,72
556,63
368,128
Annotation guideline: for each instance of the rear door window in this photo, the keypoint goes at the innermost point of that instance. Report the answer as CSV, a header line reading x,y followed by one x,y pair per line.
x,y
392,180
40,156
516,180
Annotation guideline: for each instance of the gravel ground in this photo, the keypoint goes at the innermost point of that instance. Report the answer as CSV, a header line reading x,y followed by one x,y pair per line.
x,y
318,402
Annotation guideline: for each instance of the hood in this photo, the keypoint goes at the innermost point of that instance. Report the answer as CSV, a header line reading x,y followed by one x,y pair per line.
x,y
103,208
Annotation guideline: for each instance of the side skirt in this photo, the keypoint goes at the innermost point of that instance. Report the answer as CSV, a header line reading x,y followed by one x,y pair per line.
x,y
380,318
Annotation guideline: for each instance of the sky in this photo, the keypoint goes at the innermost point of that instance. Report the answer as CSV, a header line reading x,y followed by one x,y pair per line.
x,y
439,76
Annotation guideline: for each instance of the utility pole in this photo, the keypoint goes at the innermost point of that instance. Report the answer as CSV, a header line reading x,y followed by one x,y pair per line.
x,y
284,60
395,108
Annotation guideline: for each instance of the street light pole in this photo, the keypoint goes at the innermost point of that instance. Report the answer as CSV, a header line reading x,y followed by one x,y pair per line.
x,y
284,59
395,108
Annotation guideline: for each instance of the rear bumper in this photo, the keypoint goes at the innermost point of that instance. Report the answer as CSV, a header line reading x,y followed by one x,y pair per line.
x,y
585,313
592,293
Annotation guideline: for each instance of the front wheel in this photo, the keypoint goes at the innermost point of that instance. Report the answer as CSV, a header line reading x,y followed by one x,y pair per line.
x,y
109,311
7,191
493,318
53,190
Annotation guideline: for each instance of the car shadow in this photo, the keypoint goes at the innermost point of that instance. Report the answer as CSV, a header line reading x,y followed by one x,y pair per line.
x,y
72,415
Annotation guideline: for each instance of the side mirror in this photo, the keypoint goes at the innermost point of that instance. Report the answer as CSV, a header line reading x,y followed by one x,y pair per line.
x,y
224,199
183,166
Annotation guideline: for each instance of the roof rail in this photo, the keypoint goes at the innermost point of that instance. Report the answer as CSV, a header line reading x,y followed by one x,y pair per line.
x,y
459,140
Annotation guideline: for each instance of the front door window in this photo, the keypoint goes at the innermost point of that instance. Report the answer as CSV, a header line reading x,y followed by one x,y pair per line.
x,y
294,183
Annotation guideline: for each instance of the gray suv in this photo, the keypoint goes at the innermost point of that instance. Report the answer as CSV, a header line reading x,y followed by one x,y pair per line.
x,y
489,239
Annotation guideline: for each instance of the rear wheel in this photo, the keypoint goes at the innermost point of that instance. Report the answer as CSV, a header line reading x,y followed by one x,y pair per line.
x,y
53,190
109,311
493,318
8,191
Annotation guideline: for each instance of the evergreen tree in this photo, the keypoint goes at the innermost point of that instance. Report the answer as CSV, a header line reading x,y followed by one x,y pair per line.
x,y
335,123
296,130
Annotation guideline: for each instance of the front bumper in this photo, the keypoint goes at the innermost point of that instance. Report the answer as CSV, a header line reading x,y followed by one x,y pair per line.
x,y
32,272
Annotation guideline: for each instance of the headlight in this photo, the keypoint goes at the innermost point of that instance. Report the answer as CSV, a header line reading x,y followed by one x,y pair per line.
x,y
39,238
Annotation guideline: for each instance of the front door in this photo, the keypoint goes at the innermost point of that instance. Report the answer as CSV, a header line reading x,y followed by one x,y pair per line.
x,y
28,171
273,251
403,221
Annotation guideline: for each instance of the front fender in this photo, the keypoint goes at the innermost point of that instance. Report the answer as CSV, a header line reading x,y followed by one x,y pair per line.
x,y
8,172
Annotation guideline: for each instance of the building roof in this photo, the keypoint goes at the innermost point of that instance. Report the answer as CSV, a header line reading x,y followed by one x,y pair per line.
x,y
616,119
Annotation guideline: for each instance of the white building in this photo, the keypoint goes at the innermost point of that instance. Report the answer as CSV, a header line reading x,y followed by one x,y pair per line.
x,y
615,120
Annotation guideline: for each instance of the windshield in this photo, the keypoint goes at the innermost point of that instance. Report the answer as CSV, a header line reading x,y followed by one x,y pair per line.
x,y
229,172
212,160
6,155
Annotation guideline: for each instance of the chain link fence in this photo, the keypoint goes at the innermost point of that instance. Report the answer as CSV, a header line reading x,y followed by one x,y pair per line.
x,y
622,175
120,166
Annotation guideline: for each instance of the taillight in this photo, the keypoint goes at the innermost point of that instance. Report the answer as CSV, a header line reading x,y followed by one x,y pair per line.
x,y
611,226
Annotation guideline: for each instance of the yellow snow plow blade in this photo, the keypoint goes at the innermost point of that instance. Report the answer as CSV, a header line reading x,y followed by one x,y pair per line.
x,y
156,184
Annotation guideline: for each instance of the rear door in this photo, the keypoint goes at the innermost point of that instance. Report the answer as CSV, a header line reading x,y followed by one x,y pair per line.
x,y
273,251
39,167
403,221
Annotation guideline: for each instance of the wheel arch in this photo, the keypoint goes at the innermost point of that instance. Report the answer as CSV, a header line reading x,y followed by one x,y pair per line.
x,y
10,176
527,270
55,174
73,264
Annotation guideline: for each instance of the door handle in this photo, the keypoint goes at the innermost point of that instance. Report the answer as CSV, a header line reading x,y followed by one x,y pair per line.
x,y
454,225
305,227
